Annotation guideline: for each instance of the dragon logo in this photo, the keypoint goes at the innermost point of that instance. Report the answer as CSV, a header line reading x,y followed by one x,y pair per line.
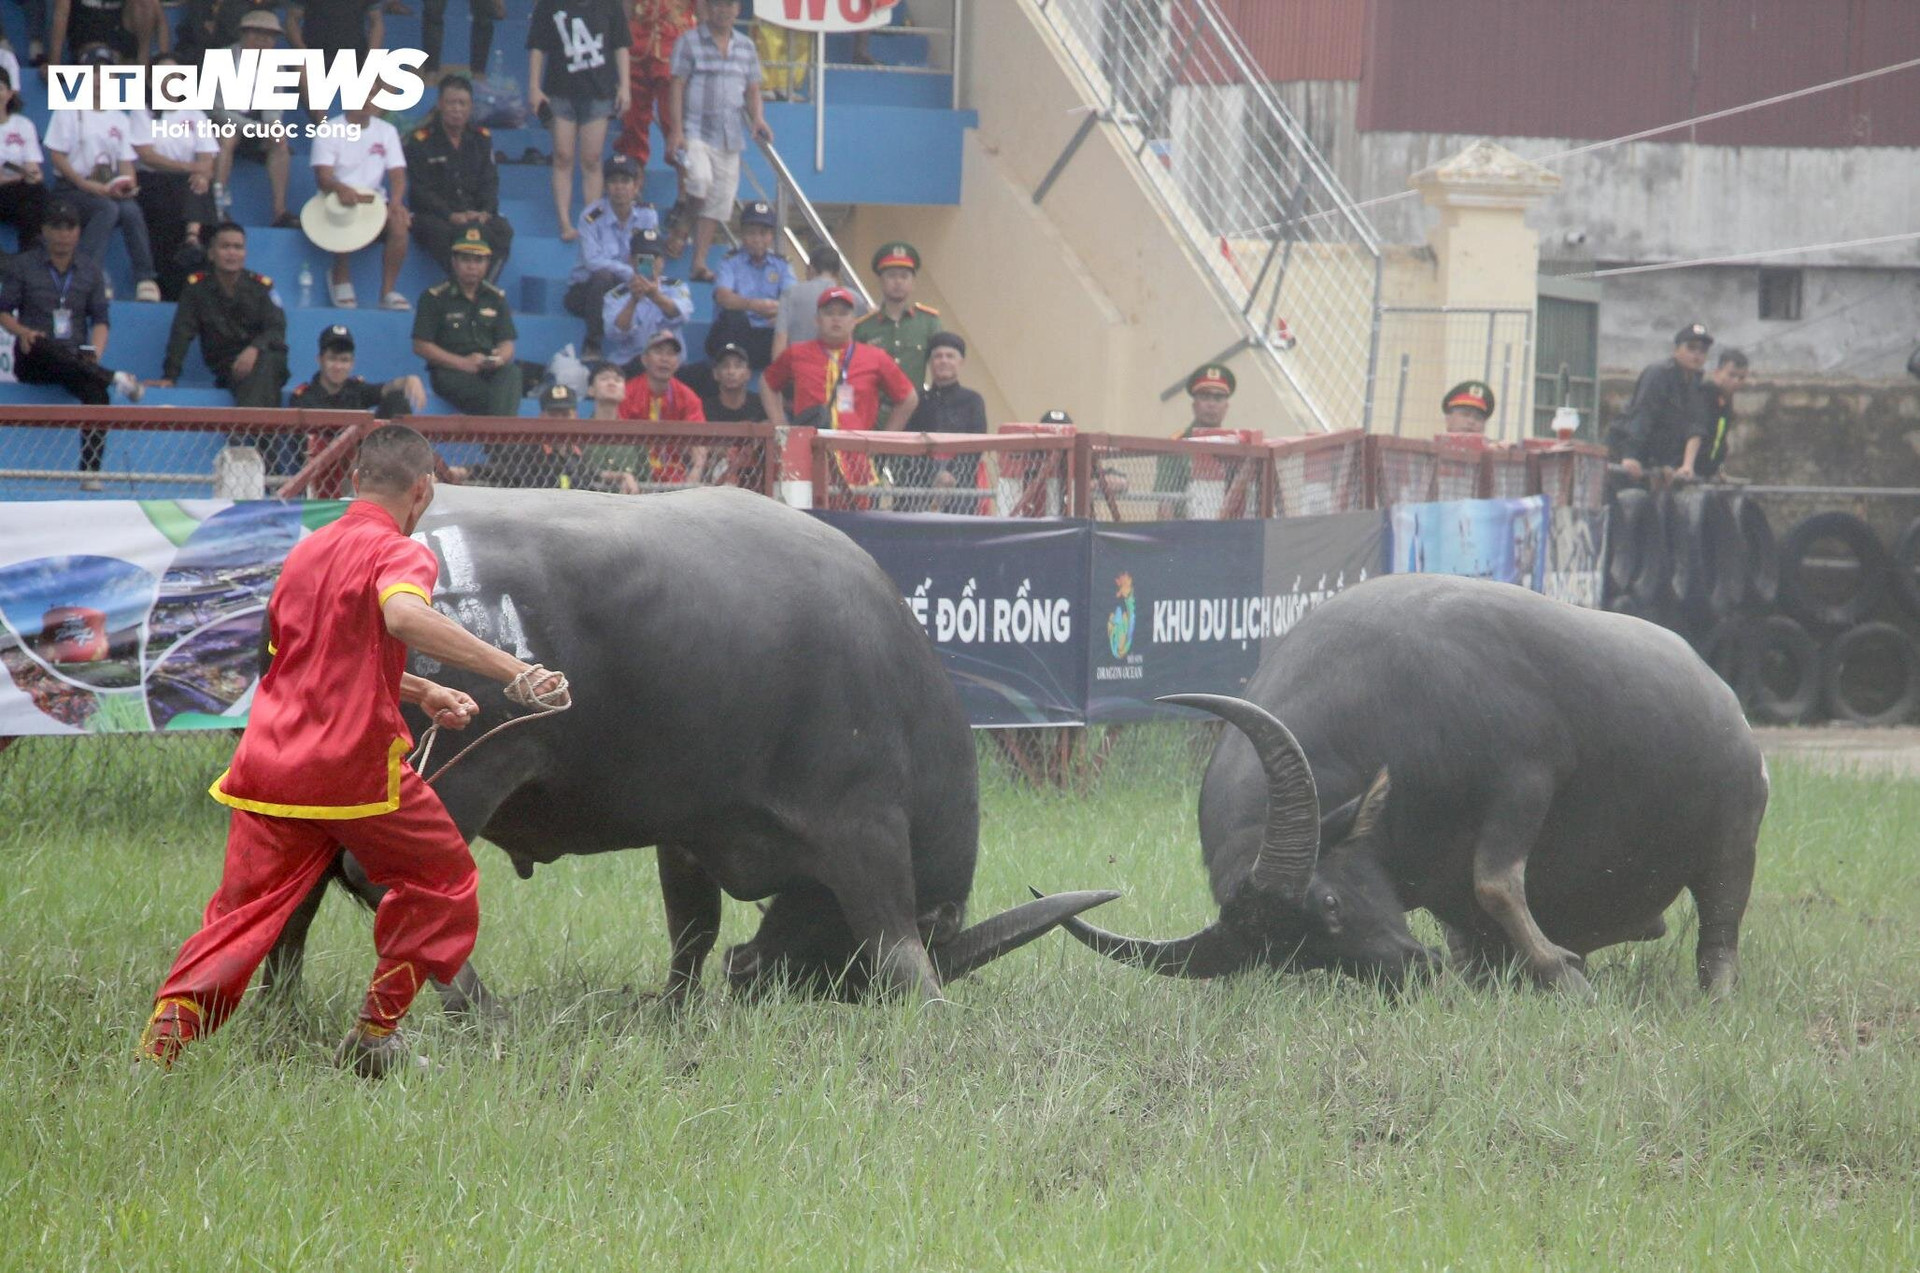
x,y
1120,621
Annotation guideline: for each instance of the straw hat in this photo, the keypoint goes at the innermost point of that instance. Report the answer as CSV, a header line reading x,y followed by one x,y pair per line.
x,y
335,227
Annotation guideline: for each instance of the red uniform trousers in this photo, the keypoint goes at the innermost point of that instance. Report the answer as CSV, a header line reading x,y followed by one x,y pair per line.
x,y
424,928
651,79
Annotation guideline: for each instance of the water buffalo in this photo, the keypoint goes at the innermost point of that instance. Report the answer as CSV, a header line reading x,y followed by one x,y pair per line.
x,y
753,696
1543,779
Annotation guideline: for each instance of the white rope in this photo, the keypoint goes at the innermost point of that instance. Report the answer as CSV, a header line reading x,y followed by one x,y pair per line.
x,y
1739,257
557,698
1642,135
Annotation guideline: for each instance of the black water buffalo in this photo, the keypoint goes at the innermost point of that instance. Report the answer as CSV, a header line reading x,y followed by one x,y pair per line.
x,y
752,695
1543,779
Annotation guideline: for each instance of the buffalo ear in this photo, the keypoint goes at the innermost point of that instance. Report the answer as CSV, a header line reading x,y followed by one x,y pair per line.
x,y
1373,807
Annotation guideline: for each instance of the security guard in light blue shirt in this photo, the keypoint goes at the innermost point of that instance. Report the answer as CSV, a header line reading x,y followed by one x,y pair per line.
x,y
635,310
748,277
607,227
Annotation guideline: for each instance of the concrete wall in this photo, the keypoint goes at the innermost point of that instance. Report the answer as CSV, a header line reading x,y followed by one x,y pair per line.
x,y
1090,301
1666,201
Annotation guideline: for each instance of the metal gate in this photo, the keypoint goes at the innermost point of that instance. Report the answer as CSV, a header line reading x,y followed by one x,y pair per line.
x,y
1567,362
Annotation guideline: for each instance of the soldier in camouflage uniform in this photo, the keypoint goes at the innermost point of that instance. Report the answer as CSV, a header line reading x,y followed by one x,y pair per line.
x,y
465,332
240,325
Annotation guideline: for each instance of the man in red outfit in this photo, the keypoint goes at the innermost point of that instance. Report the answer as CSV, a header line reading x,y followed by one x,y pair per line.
x,y
321,767
655,25
837,383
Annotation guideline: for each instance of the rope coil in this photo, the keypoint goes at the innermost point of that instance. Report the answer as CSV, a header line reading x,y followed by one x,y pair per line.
x,y
520,691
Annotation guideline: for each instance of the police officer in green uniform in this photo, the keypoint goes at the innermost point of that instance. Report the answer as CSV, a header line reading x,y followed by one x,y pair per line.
x,y
1210,388
900,326
1467,407
465,332
241,327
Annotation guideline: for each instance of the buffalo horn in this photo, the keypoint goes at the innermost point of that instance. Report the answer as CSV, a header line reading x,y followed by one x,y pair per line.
x,y
1291,844
1211,952
1010,930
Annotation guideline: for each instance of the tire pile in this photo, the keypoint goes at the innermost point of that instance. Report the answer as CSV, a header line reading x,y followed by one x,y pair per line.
x,y
1818,625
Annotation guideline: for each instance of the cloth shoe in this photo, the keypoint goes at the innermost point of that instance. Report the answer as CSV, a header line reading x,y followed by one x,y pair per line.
x,y
130,387
394,300
146,290
343,297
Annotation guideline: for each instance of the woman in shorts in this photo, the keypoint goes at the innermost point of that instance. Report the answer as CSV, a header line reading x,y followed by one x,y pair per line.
x,y
577,78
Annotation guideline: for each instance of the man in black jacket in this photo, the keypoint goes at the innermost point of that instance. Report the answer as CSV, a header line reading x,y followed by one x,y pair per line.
x,y
453,183
241,328
1666,408
1707,448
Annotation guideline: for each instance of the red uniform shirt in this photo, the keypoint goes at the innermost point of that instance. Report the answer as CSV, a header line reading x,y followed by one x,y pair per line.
x,y
678,403
324,736
814,373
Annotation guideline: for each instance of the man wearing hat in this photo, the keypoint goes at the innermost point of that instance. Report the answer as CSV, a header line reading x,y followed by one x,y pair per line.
x,y
334,387
800,303
258,30
1666,408
240,325
948,406
748,286
454,181
901,326
607,227
346,215
1467,407
654,394
465,332
632,312
730,402
1210,389
837,382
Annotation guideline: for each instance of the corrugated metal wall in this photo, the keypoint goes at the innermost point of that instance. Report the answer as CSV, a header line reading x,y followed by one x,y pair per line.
x,y
1302,39
1581,69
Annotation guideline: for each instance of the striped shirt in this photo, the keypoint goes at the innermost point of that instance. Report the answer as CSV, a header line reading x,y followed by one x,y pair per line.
x,y
716,86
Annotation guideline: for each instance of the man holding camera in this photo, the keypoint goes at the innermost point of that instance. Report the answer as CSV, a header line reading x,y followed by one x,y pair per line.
x,y
464,331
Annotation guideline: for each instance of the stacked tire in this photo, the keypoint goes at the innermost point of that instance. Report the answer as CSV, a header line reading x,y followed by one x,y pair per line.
x,y
1819,624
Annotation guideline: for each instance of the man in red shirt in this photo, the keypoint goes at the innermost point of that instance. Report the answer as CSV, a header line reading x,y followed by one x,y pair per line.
x,y
837,382
321,767
656,395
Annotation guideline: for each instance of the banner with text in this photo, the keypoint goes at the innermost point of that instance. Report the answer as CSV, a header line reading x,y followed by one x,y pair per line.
x,y
1192,606
1004,602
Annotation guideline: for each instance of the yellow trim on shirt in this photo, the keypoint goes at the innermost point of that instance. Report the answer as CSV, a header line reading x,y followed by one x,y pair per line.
x,y
414,588
272,648
328,812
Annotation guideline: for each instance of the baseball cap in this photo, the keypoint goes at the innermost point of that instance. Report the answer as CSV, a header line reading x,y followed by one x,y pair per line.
x,y
1693,333
262,20
731,350
664,335
336,338
759,212
558,397
620,166
839,294
1054,415
645,243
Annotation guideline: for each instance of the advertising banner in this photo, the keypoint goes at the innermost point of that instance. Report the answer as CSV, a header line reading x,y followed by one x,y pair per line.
x,y
1004,602
829,16
1192,606
1577,556
137,616
1500,539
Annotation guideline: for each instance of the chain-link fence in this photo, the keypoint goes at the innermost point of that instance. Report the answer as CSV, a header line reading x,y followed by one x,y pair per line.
x,y
1315,475
1007,475
1425,352
131,453
1571,474
1222,478
626,457
1238,174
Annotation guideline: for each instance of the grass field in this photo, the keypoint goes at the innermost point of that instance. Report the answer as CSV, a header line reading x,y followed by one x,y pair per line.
x,y
1060,1113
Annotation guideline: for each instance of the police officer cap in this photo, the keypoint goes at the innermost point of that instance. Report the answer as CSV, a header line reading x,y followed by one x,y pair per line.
x,y
472,242
555,396
759,212
897,256
1212,378
1474,395
620,167
336,338
947,340
645,243
1054,415
1691,334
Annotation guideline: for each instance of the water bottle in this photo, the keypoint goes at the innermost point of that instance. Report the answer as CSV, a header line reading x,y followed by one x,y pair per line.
x,y
497,65
306,285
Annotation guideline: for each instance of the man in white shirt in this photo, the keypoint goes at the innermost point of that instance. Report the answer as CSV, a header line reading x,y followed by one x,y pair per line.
x,y
177,154
92,155
356,170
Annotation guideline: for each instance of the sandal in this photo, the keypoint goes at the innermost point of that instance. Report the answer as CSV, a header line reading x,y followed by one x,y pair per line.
x,y
395,300
343,297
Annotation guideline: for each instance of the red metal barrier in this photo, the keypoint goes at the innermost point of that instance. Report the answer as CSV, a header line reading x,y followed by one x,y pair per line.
x,y
1509,473
1571,474
1320,473
1457,465
1399,471
1217,475
1004,475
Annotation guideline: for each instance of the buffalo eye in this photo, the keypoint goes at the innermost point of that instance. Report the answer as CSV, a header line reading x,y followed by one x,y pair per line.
x,y
1330,911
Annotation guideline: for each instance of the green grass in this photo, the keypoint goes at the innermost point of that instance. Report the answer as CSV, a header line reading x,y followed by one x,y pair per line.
x,y
1060,1113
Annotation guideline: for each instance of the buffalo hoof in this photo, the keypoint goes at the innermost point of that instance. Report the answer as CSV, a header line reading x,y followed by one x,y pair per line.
x,y
1567,978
